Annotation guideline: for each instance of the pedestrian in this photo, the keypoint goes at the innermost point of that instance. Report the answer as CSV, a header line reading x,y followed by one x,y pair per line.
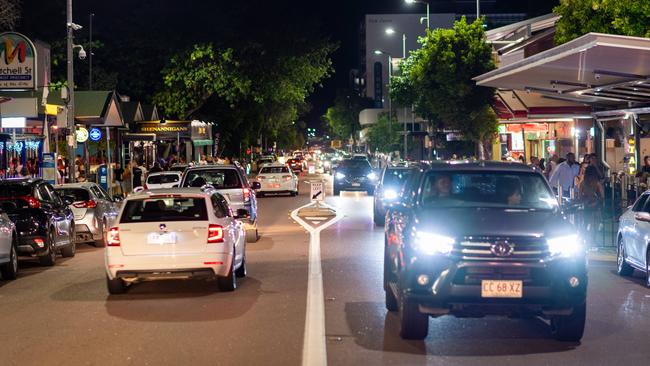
x,y
581,175
127,179
646,165
118,178
156,168
565,173
551,166
591,196
542,165
534,163
600,170
138,173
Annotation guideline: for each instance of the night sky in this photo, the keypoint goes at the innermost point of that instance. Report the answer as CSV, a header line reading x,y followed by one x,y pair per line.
x,y
147,32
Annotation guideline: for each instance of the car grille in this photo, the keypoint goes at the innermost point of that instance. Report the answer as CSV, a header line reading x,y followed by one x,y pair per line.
x,y
480,248
528,276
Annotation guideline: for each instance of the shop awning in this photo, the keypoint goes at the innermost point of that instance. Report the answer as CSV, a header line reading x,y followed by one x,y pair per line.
x,y
139,137
594,69
203,142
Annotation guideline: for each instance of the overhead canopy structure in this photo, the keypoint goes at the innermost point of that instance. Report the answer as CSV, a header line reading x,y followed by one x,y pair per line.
x,y
596,69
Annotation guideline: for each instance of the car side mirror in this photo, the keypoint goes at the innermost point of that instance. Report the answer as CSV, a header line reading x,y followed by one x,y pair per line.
x,y
256,185
642,216
118,198
242,213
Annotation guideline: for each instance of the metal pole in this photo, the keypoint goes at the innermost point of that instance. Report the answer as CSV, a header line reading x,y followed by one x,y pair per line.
x,y
90,54
109,172
390,77
70,114
403,45
478,9
429,16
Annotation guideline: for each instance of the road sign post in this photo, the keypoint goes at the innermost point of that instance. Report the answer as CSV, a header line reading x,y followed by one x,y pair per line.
x,y
317,191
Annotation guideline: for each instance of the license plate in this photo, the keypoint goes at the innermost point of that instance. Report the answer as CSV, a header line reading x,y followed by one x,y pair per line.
x,y
493,288
165,238
356,184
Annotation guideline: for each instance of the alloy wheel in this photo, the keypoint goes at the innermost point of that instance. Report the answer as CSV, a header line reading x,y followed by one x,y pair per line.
x,y
14,259
620,257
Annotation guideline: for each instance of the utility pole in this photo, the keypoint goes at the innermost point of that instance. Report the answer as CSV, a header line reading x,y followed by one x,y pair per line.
x,y
70,112
90,54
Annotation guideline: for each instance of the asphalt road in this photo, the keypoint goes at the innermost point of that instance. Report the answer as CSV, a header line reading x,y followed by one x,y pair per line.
x,y
64,316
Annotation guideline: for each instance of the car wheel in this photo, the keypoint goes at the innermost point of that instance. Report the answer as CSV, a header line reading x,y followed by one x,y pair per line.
x,y
252,235
228,283
71,249
647,269
116,286
622,267
102,242
570,328
241,271
49,259
413,324
9,270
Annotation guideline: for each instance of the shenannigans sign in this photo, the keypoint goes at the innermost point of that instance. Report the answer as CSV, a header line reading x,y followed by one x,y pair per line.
x,y
17,62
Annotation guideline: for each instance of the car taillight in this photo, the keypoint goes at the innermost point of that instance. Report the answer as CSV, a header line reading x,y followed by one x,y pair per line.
x,y
85,204
113,237
215,234
247,194
33,202
260,178
286,177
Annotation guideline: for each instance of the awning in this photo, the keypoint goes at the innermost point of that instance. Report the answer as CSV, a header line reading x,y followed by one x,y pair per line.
x,y
139,137
595,69
203,142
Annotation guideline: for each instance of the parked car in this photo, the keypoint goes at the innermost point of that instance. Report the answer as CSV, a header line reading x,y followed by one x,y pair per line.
x,y
483,238
168,179
633,244
354,175
186,232
94,210
44,223
388,190
295,165
277,178
232,183
8,250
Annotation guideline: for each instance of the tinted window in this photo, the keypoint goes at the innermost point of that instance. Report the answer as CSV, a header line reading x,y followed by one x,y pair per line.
x,y
355,164
15,190
638,205
274,170
486,189
163,179
164,209
43,194
396,177
220,206
79,194
218,178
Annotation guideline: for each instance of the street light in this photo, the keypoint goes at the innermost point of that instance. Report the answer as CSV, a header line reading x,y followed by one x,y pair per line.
x,y
427,4
390,31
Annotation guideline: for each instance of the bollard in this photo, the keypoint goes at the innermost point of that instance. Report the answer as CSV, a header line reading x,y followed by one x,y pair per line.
x,y
559,194
623,190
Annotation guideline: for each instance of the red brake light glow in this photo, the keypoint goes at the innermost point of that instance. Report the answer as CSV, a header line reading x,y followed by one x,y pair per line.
x,y
247,194
215,234
286,177
85,204
113,237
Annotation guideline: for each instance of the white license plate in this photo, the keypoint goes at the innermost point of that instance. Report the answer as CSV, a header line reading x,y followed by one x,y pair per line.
x,y
164,238
496,288
356,184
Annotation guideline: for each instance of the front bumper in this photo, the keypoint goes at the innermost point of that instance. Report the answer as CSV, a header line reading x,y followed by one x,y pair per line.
x,y
346,185
455,287
166,266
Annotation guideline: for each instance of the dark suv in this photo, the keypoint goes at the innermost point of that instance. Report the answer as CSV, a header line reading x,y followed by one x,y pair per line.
x,y
44,222
483,238
354,175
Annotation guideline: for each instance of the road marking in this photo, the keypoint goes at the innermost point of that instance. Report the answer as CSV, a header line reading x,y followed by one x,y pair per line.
x,y
314,348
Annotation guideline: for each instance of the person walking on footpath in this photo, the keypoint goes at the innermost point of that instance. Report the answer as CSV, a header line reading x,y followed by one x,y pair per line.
x,y
591,195
565,174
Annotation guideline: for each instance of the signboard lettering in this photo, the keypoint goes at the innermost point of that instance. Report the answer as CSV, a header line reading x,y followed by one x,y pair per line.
x,y
17,62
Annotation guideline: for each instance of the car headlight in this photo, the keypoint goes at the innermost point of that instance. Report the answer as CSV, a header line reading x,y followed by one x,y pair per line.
x,y
390,194
372,176
326,164
565,246
430,243
340,176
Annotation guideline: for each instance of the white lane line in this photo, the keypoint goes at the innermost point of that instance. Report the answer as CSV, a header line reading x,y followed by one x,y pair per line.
x,y
314,348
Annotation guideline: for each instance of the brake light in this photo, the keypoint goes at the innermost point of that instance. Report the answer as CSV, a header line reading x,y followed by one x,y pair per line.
x,y
113,237
215,234
145,187
85,204
247,194
260,177
31,201
286,177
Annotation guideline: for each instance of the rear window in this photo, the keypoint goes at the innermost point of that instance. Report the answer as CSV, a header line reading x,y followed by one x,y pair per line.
x,y
164,209
13,190
79,194
218,178
163,179
274,170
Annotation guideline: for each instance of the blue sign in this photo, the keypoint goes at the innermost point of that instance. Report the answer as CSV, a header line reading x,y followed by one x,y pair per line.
x,y
95,134
102,174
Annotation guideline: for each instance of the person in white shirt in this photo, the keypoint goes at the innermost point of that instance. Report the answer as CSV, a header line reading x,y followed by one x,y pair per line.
x,y
565,174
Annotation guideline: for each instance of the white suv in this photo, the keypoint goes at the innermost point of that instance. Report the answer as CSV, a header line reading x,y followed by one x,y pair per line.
x,y
176,233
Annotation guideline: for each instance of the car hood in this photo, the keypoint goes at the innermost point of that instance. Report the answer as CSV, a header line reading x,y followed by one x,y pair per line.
x,y
457,222
354,172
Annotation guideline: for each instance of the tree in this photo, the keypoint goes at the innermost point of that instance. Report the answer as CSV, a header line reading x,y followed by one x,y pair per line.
x,y
383,136
9,14
437,79
579,17
342,118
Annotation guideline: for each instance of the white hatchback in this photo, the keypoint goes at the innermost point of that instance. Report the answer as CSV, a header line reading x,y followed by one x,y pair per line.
x,y
176,233
277,178
159,180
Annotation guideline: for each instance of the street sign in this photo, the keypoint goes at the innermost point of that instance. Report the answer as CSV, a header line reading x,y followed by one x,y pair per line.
x,y
95,134
317,191
82,134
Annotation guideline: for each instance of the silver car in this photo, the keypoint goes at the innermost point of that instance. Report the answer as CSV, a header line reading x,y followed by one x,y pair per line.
x,y
634,238
94,211
8,255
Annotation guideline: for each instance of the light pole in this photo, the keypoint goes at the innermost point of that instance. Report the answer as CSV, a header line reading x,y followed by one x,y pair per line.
x,y
70,100
478,9
90,52
428,17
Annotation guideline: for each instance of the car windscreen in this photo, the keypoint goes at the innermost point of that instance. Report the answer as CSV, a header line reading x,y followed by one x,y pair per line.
x,y
355,164
164,209
163,179
218,178
79,194
274,170
395,177
15,190
490,189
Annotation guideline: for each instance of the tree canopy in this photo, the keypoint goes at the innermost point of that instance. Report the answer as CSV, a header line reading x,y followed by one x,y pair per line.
x,y
383,136
624,17
342,118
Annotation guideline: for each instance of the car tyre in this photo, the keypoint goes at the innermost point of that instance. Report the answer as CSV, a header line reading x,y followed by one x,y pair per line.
x,y
9,270
228,283
647,269
71,249
570,328
49,259
622,267
101,242
413,324
252,235
241,271
116,286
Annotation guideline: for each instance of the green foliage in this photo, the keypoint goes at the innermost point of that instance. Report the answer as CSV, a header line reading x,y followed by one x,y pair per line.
x,y
437,79
342,118
579,17
383,136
